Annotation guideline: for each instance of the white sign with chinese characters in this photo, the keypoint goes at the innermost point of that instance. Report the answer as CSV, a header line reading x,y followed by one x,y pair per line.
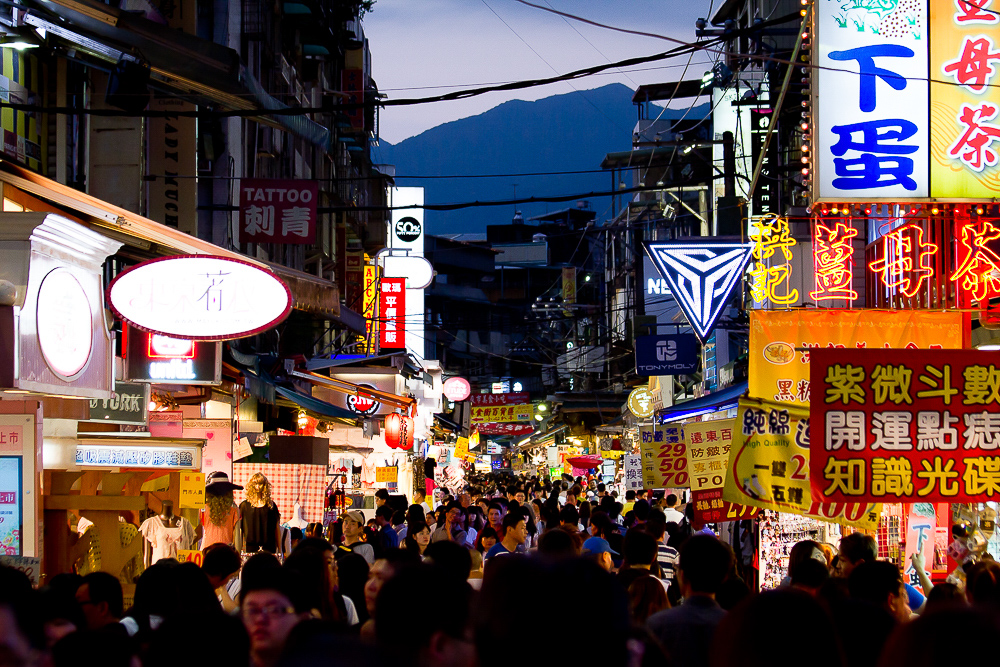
x,y
872,134
200,297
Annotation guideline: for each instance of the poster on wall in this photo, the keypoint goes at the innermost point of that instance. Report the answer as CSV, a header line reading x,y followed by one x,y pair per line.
x,y
10,505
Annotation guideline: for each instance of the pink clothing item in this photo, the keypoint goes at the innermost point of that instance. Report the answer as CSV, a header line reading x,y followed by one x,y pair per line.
x,y
219,534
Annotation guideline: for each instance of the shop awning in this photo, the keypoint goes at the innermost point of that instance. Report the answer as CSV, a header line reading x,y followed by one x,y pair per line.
x,y
187,64
314,404
309,293
721,400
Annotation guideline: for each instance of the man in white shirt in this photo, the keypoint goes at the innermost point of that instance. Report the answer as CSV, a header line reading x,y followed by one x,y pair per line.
x,y
671,512
420,498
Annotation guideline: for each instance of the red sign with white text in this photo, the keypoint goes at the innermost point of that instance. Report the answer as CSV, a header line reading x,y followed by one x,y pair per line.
x,y
278,211
392,306
904,426
506,429
514,398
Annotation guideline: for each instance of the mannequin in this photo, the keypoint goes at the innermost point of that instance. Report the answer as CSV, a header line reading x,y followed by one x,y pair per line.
x,y
260,518
220,516
165,534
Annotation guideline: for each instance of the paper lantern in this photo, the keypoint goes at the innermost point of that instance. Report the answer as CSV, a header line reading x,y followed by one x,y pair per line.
x,y
398,431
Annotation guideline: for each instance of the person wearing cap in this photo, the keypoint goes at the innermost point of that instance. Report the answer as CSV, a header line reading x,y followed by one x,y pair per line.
x,y
352,525
220,516
599,549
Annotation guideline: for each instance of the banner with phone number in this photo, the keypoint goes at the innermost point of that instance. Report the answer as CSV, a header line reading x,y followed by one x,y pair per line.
x,y
708,446
769,466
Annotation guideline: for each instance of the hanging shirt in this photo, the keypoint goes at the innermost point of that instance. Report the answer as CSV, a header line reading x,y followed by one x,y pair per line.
x,y
166,541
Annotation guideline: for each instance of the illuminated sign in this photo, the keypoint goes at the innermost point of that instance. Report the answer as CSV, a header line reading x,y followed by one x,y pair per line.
x,y
161,360
640,403
979,267
362,404
392,306
871,100
200,297
138,456
666,354
701,276
370,306
65,327
832,262
905,263
278,211
768,274
456,389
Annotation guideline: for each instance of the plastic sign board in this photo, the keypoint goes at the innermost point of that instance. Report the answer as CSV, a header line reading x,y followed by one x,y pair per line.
x,y
392,306
65,328
200,297
640,403
666,354
127,405
456,389
278,211
701,275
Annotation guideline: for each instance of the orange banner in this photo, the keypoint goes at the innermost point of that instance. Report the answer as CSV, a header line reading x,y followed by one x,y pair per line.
x,y
779,342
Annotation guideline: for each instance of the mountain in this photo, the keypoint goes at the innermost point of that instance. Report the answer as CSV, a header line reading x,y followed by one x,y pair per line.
x,y
570,132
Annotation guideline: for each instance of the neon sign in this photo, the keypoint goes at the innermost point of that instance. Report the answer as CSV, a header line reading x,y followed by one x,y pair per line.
x,y
979,271
164,347
905,262
832,262
772,236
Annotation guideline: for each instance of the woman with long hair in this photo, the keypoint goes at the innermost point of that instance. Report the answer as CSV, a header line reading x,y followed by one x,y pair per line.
x,y
418,536
313,560
260,518
646,596
220,515
486,539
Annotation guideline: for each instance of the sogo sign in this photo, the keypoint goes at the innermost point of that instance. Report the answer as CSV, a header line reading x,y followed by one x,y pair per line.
x,y
200,297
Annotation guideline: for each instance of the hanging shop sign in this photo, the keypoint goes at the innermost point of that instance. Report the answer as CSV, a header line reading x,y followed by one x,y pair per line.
x,y
128,405
278,211
200,297
369,344
640,403
781,342
833,264
506,429
664,457
514,398
772,262
417,271
138,456
399,431
502,414
360,403
11,492
768,466
701,276
666,354
456,389
461,448
632,472
157,359
392,309
708,446
904,426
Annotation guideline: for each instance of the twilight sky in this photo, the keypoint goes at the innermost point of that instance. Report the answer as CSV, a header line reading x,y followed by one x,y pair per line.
x,y
447,45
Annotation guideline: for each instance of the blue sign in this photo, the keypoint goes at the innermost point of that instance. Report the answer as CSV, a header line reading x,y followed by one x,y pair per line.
x,y
667,354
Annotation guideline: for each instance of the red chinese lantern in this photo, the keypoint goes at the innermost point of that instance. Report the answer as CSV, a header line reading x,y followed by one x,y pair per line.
x,y
398,431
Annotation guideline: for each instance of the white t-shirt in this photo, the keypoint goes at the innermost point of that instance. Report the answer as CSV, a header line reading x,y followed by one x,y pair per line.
x,y
165,541
673,515
352,611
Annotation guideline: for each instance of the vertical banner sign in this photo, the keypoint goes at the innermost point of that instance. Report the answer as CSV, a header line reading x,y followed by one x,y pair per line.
x,y
765,197
921,526
392,309
569,284
633,472
871,99
833,264
371,311
192,491
708,446
965,103
11,492
278,211
664,457
902,426
769,466
172,157
781,342
772,257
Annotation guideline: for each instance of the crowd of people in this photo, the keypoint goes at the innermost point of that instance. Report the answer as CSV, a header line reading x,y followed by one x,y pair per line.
x,y
534,571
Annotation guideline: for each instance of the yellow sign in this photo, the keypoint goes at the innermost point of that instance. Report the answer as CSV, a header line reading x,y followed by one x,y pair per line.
x,y
640,403
492,414
708,446
768,467
613,453
461,448
771,270
779,342
190,556
664,457
569,284
369,304
192,490
387,474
